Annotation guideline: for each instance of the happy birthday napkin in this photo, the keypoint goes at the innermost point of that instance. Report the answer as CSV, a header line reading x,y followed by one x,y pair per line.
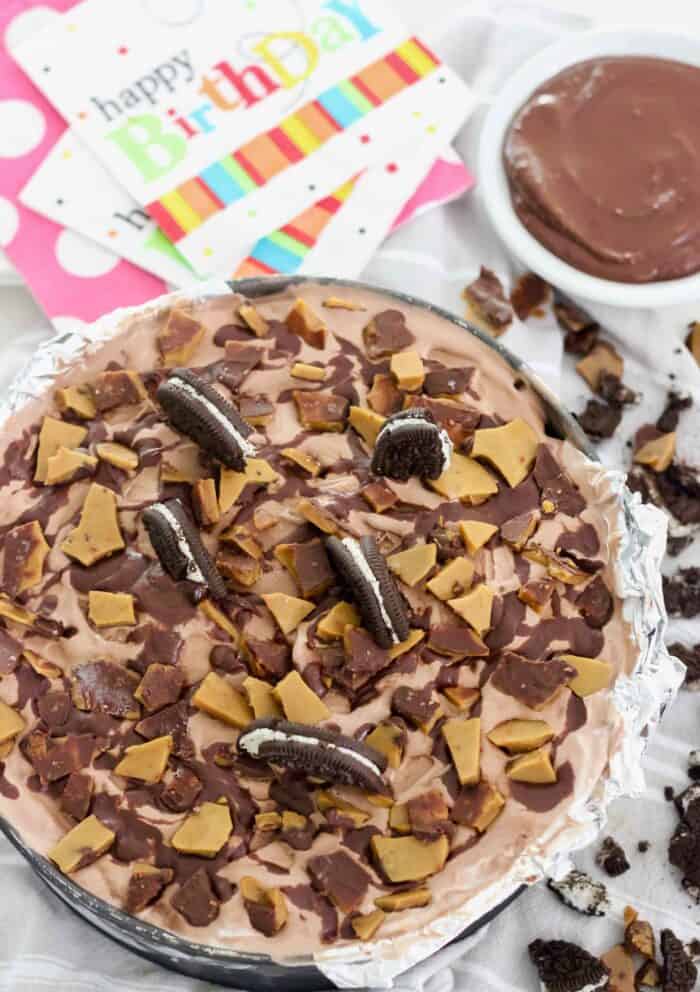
x,y
223,127
73,279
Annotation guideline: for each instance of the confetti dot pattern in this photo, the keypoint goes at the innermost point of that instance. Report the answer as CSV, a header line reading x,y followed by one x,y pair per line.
x,y
77,283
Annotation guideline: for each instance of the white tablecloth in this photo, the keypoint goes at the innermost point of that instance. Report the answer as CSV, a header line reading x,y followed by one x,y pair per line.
x,y
43,946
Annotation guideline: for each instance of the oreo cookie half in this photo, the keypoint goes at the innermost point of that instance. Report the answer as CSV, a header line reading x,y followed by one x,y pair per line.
x,y
411,443
363,570
179,547
317,752
566,967
196,409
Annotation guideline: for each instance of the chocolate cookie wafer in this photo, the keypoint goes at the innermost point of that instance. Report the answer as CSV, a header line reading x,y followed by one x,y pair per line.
x,y
363,570
320,753
566,967
411,443
179,547
196,409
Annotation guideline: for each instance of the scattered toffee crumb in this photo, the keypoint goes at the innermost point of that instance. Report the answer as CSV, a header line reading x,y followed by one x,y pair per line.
x,y
637,482
676,403
528,295
682,592
613,389
570,316
676,491
669,794
581,331
611,858
600,420
581,343
643,846
487,297
679,489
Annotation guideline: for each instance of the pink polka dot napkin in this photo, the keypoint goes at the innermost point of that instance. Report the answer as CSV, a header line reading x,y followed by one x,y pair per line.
x,y
72,278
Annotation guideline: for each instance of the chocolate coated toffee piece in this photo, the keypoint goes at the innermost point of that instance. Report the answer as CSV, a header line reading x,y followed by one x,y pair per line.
x,y
325,690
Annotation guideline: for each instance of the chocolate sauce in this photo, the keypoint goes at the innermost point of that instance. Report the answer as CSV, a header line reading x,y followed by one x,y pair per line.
x,y
359,840
7,789
543,798
16,464
119,573
217,782
507,616
41,510
231,332
573,632
306,898
30,685
576,716
10,653
584,541
602,165
167,601
110,476
160,645
136,840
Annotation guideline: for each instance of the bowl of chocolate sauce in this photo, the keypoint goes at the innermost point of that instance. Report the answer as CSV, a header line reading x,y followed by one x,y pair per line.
x,y
588,166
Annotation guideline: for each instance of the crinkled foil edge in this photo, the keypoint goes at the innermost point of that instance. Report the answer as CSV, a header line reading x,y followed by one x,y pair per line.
x,y
56,353
640,698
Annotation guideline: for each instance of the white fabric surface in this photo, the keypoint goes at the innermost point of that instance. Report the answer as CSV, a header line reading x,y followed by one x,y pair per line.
x,y
44,946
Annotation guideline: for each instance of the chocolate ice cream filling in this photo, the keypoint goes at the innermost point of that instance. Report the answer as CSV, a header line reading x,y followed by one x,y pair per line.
x,y
156,681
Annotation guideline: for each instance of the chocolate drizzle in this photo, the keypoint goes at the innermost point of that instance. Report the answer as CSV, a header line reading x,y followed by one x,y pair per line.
x,y
541,799
563,634
7,789
306,898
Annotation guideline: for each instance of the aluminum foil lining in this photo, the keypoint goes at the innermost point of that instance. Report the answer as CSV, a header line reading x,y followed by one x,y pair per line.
x,y
640,697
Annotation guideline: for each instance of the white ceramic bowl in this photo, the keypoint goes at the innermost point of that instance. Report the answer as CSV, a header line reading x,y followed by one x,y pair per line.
x,y
493,182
